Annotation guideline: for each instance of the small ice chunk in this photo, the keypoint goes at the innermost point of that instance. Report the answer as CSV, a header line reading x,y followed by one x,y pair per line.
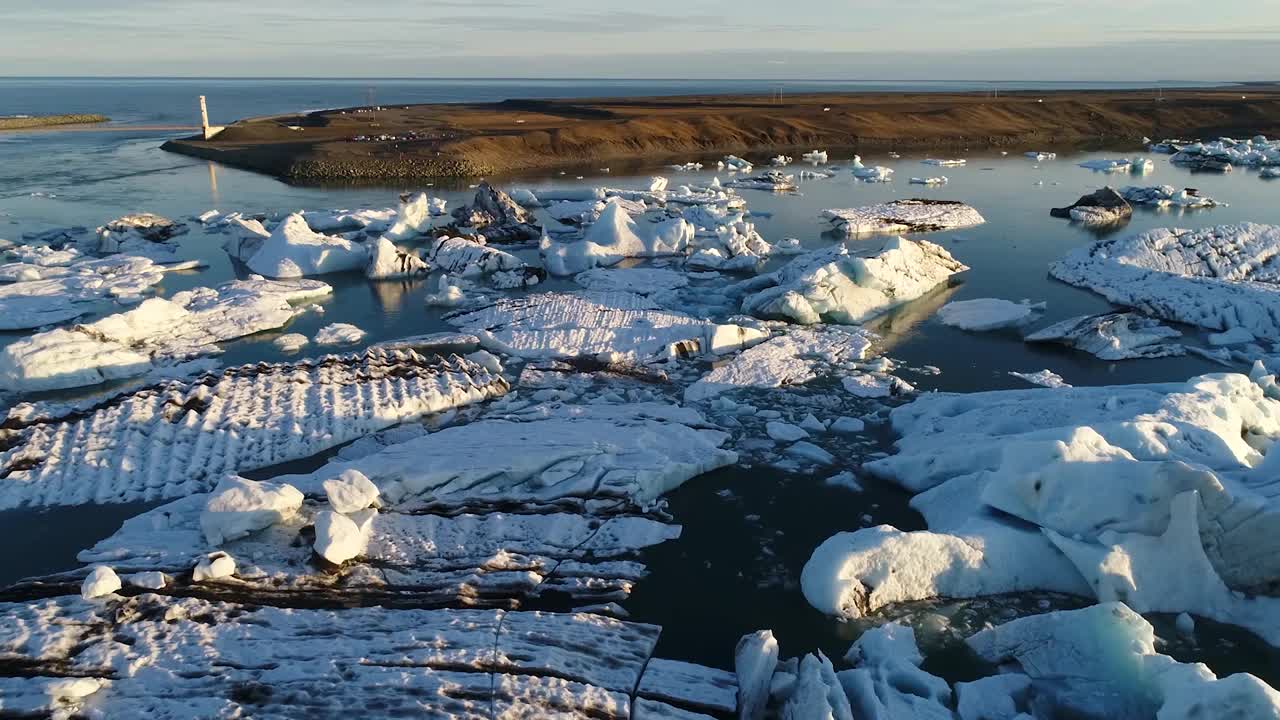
x,y
100,581
350,492
1043,378
1185,624
986,314
238,507
1233,336
150,580
848,426
338,538
808,451
812,424
784,432
213,566
291,342
846,480
339,334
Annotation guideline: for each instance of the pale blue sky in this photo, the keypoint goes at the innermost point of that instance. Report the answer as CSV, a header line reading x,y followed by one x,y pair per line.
x,y
839,39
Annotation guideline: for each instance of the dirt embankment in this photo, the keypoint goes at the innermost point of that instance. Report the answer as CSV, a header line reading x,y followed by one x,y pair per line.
x,y
435,141
40,121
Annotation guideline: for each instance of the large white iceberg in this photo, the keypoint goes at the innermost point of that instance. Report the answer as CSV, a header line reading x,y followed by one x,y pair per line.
x,y
614,237
295,250
832,285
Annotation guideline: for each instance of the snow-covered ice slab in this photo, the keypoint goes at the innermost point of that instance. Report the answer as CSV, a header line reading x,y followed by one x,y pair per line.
x,y
642,281
615,237
905,216
832,285
1114,336
468,257
985,314
1102,662
1159,494
281,662
772,181
158,333
1043,378
791,359
1217,278
45,295
294,250
569,325
635,451
179,438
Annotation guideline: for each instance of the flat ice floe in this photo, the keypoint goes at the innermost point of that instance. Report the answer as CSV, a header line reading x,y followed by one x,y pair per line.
x,y
591,324
469,664
179,438
37,295
1217,278
791,359
905,216
772,180
1114,336
294,250
985,314
1160,495
831,285
161,332
642,281
1166,196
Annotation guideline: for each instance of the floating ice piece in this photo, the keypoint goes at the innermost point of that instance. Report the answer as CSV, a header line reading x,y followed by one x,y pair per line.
x,y
100,581
1217,278
772,180
158,333
877,174
181,438
386,261
339,334
1165,196
291,342
1095,661
142,234
848,426
874,385
1043,378
754,660
1102,207
791,359
784,432
294,250
342,221
498,217
687,167
642,281
734,163
940,180
781,160
815,156
1108,166
1113,336
571,325
414,216
36,296
887,681
351,491
238,507
831,285
467,257
1041,156
944,163
986,314
1269,173
916,215
614,237
447,294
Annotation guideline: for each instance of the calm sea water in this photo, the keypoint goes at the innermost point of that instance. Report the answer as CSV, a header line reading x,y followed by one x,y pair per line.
x,y
736,568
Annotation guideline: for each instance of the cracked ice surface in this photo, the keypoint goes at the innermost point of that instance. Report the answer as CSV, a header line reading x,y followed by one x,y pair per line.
x,y
180,437
905,216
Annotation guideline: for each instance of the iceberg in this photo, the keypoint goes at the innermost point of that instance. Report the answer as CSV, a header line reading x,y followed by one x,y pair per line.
x,y
915,215
831,285
1113,336
1166,196
158,333
386,262
294,250
498,217
613,238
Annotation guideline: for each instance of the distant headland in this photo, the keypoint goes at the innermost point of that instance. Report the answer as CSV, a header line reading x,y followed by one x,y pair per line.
x,y
23,122
471,140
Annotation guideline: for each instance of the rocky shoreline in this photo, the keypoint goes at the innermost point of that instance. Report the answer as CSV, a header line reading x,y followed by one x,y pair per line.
x,y
459,141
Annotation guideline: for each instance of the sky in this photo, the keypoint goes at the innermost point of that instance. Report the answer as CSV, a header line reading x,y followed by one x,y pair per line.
x,y
795,39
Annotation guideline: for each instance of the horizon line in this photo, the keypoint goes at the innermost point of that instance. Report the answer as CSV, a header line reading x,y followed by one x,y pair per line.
x,y
612,79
